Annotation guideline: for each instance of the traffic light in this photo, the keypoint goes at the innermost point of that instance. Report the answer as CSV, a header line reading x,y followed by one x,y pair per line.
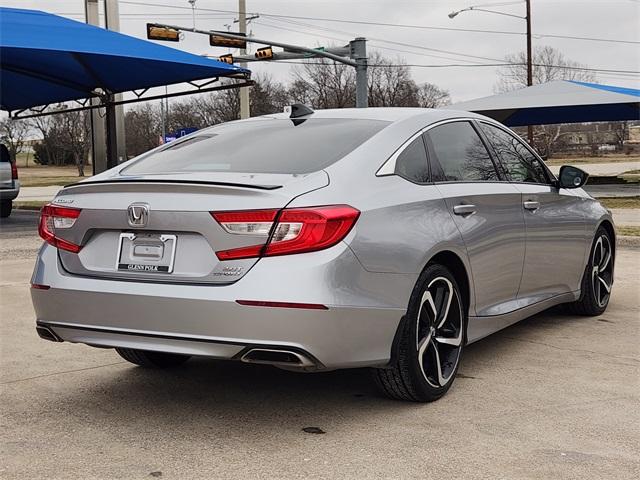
x,y
219,41
228,58
265,53
164,34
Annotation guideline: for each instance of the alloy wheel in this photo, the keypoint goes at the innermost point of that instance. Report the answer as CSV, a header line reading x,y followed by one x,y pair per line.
x,y
602,270
439,332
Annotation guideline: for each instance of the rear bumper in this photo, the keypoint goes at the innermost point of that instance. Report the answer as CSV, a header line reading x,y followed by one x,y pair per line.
x,y
357,329
10,193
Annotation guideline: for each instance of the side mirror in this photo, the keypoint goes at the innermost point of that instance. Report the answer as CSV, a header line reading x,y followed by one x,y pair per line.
x,y
572,177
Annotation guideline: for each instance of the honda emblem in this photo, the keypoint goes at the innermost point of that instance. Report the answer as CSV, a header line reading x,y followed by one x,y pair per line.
x,y
138,214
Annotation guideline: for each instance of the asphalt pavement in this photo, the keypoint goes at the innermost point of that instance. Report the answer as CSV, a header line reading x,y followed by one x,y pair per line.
x,y
554,396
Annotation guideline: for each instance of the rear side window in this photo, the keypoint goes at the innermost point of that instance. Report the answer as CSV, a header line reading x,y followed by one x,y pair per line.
x,y
412,162
521,165
295,146
457,154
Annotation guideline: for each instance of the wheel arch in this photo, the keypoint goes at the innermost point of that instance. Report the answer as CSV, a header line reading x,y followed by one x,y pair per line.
x,y
608,226
460,271
453,262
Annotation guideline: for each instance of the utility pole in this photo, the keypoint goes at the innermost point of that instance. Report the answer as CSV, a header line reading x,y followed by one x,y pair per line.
x,y
116,150
244,92
193,11
98,144
529,64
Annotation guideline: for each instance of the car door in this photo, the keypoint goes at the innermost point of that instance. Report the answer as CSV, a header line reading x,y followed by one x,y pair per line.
x,y
555,226
486,210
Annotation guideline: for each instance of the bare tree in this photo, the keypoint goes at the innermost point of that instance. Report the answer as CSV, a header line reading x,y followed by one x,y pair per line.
x,y
13,133
323,83
432,96
390,83
142,124
267,96
621,132
549,65
75,136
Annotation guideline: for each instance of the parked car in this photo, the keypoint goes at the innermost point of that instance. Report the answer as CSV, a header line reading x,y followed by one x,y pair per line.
x,y
380,237
9,183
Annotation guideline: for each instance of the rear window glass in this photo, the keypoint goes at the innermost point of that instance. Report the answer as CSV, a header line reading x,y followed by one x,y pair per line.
x,y
266,146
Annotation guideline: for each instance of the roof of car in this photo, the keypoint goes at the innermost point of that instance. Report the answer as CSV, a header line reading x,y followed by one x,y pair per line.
x,y
389,114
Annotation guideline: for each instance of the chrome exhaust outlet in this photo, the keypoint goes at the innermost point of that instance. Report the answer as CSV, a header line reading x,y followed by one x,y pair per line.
x,y
47,334
277,357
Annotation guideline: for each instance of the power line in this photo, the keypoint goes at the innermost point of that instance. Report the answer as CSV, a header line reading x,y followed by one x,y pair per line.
x,y
395,25
373,45
440,65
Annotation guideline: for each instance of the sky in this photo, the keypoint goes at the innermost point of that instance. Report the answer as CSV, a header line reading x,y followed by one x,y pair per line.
x,y
603,19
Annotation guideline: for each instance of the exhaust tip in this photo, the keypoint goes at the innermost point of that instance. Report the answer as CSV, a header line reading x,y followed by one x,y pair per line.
x,y
47,334
276,357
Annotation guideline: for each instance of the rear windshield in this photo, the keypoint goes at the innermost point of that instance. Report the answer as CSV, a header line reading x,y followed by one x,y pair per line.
x,y
294,146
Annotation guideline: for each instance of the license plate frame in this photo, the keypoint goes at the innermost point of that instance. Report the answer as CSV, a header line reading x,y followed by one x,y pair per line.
x,y
129,243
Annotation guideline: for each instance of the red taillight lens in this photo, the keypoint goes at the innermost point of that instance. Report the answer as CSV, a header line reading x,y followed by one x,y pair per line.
x,y
14,171
296,230
54,218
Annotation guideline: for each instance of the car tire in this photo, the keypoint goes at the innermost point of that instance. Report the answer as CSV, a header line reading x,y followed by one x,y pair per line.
x,y
597,280
430,340
5,208
149,359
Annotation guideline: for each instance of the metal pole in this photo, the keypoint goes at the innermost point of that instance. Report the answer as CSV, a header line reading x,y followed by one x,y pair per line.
x,y
252,39
359,54
244,92
112,137
162,124
529,64
98,144
112,22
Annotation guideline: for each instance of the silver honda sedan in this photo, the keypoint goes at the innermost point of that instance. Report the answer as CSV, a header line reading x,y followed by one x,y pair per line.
x,y
379,237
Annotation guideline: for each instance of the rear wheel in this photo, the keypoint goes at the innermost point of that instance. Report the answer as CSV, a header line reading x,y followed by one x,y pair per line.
x,y
431,341
152,359
598,278
5,208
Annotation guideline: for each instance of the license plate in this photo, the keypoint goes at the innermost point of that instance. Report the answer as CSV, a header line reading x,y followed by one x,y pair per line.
x,y
146,252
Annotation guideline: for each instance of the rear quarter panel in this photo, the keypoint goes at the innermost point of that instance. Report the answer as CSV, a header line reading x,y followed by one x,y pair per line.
x,y
401,226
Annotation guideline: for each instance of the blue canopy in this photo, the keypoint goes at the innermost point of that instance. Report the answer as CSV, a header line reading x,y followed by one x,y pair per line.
x,y
563,101
46,58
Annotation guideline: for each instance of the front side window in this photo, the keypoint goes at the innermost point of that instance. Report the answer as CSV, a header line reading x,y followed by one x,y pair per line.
x,y
521,165
457,154
412,162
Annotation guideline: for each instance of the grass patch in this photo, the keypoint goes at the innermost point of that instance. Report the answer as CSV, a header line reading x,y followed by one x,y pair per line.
x,y
48,181
30,204
620,202
627,231
585,160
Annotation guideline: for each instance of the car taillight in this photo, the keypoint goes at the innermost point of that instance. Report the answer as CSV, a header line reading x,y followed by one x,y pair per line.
x,y
292,230
54,218
14,171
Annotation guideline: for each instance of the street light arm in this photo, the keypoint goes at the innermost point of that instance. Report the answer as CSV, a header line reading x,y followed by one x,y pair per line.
x,y
453,14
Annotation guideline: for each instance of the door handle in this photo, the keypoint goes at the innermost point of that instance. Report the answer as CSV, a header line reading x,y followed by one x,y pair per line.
x,y
531,205
464,210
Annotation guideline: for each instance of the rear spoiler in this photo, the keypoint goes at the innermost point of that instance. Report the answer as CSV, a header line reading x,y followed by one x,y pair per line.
x,y
183,182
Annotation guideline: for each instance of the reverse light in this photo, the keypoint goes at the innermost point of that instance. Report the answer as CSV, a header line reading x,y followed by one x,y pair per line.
x,y
292,230
53,218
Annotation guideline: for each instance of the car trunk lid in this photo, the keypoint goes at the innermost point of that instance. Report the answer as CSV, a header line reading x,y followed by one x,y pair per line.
x,y
177,239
